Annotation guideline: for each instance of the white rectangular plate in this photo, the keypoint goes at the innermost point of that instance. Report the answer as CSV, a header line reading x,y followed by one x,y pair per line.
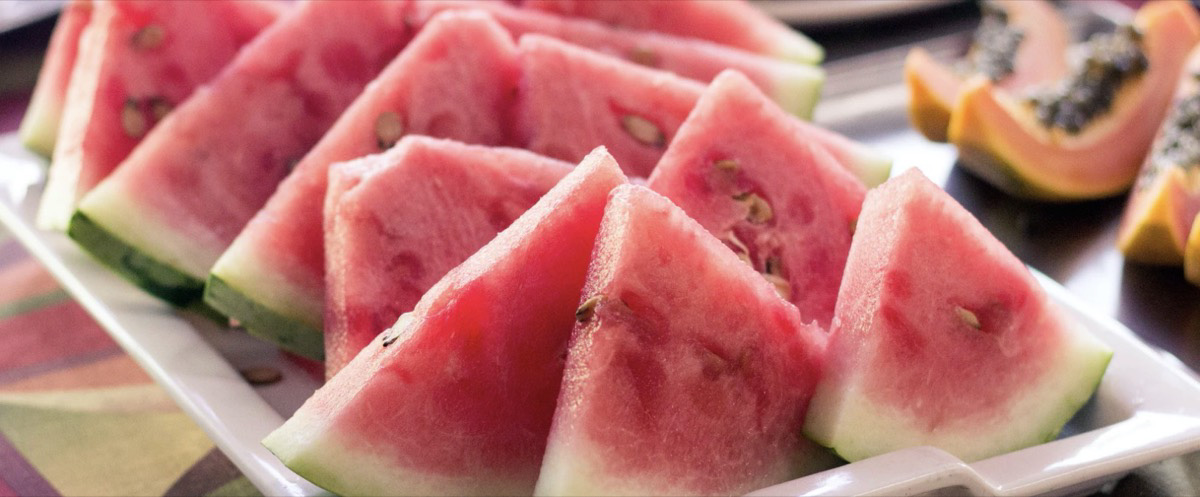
x,y
1146,409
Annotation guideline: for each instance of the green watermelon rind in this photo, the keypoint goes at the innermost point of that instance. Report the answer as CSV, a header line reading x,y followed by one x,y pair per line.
x,y
872,167
799,93
260,320
148,273
827,423
39,131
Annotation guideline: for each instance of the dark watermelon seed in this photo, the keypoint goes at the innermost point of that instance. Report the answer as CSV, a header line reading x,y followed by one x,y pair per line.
x,y
588,309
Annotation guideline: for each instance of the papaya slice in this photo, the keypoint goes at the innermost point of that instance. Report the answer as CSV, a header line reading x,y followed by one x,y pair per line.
x,y
1061,146
1036,31
1166,196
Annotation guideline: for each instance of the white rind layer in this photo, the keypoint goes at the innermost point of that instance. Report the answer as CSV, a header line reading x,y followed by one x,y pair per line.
x,y
240,268
115,210
310,447
798,90
842,417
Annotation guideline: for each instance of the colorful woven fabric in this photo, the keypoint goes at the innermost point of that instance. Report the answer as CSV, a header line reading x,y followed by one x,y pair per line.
x,y
77,415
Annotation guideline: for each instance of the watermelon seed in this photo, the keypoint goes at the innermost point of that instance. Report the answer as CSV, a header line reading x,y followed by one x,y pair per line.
x,y
159,108
739,248
261,375
773,272
853,225
727,165
644,131
758,210
132,119
643,56
588,309
149,37
968,317
388,129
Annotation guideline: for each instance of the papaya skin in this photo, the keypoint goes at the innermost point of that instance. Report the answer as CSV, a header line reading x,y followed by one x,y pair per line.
x,y
1000,140
1041,58
1191,261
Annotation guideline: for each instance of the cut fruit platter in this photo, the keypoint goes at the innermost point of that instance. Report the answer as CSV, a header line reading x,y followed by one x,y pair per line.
x,y
679,286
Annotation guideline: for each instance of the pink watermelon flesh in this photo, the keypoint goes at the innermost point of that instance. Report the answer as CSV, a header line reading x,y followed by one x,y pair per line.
x,y
573,100
138,61
455,80
687,375
729,22
756,179
39,127
459,400
943,338
397,222
197,178
795,86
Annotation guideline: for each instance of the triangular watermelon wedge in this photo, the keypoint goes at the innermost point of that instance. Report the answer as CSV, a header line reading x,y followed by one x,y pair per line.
x,y
762,182
455,80
796,87
173,206
39,126
395,223
942,337
137,61
686,375
574,100
457,397
736,23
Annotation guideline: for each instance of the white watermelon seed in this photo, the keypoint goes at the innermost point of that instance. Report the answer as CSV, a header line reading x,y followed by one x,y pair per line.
x,y
968,317
773,272
149,37
644,131
388,129
758,210
728,165
132,120
739,248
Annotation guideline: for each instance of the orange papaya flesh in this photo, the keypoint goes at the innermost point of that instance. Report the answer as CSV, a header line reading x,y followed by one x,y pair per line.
x,y
1040,58
1166,196
1000,138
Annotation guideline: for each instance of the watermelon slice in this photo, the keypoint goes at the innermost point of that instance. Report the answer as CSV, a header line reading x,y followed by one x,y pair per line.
x,y
39,127
138,61
758,179
457,397
943,338
686,374
396,223
795,87
630,109
176,203
455,80
729,22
